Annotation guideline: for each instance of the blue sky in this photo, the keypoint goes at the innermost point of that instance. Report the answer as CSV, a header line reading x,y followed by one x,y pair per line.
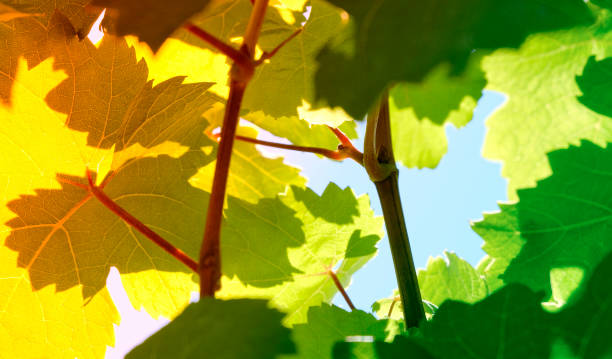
x,y
438,204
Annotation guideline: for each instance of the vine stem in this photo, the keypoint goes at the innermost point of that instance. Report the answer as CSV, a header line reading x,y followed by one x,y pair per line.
x,y
240,75
348,300
345,149
99,194
380,165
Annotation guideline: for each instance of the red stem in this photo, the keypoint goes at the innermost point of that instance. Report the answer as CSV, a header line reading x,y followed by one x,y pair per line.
x,y
393,302
269,55
210,257
332,154
140,227
225,49
334,277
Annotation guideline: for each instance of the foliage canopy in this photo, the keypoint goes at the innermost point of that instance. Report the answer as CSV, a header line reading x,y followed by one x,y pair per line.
x,y
134,117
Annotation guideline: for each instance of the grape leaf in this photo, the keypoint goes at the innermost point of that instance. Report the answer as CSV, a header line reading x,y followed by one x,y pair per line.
x,y
334,230
450,278
417,122
442,279
57,228
136,17
34,38
603,3
43,322
205,330
402,347
328,324
379,47
585,324
510,323
284,86
74,10
502,243
253,176
300,132
542,111
383,309
564,221
596,85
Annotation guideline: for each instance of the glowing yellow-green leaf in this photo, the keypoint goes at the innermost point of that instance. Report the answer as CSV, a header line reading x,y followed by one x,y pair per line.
x,y
252,175
58,242
51,321
291,242
543,111
420,111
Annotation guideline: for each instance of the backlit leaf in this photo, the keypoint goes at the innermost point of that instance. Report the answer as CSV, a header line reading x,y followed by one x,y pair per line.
x,y
234,329
379,46
418,122
442,279
151,20
328,324
292,242
543,112
564,222
595,82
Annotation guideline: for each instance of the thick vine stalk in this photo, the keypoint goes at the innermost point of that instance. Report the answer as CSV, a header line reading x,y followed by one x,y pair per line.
x,y
380,164
240,75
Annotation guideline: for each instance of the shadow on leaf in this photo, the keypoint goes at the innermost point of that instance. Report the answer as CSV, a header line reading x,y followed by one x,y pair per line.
x,y
595,82
565,221
57,27
256,238
107,95
66,237
342,211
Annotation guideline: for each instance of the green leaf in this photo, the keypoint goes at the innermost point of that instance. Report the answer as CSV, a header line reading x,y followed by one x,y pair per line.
x,y
292,242
212,328
420,111
380,47
564,222
603,3
329,324
585,324
509,323
151,20
59,243
402,347
502,242
542,111
300,132
450,278
289,74
442,279
596,85
252,175
382,307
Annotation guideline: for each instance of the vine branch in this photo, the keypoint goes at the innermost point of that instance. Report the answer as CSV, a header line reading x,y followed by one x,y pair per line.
x,y
380,164
99,194
345,149
240,75
334,277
